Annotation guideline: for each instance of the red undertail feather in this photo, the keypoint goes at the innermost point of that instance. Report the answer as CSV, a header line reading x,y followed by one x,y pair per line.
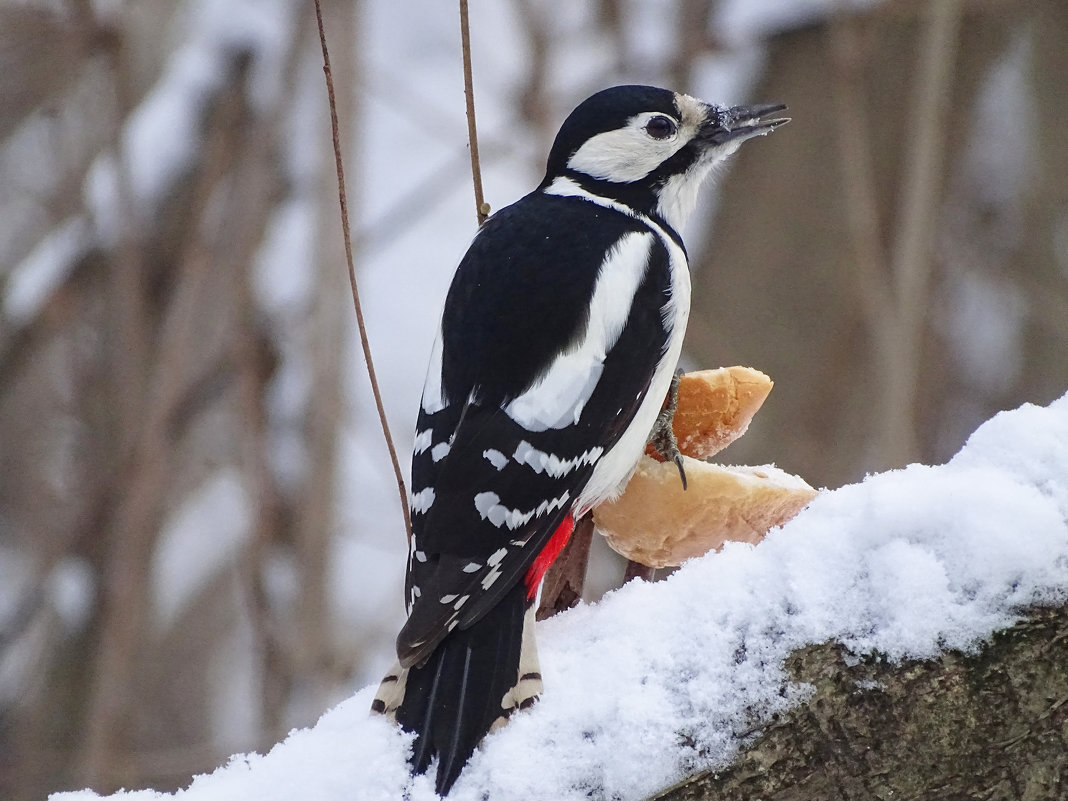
x,y
548,555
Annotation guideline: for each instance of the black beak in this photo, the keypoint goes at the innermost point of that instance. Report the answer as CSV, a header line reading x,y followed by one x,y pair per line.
x,y
742,122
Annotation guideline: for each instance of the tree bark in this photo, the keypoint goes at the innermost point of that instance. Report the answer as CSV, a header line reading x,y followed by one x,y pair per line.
x,y
990,725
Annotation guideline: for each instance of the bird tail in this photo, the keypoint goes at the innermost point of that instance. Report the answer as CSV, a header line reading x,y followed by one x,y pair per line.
x,y
467,687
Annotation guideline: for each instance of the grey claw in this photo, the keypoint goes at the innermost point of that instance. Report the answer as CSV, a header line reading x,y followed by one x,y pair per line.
x,y
682,470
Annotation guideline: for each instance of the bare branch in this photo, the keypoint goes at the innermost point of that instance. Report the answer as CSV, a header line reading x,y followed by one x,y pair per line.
x,y
481,209
342,199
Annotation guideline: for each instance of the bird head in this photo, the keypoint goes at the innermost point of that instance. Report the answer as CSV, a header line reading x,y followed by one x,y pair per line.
x,y
651,148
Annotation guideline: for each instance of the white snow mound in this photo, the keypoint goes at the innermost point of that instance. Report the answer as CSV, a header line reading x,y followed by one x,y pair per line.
x,y
660,678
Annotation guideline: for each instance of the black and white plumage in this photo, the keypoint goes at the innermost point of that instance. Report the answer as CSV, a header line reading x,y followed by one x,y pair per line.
x,y
558,342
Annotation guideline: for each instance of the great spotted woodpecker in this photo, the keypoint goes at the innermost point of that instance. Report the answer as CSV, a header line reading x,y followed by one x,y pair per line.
x,y
558,343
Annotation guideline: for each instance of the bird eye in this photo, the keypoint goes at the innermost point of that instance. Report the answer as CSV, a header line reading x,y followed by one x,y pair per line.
x,y
660,127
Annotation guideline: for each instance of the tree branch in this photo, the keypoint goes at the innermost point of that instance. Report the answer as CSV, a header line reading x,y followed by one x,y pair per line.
x,y
986,725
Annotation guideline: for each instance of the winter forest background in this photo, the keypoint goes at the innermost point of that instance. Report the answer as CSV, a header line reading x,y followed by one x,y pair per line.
x,y
200,542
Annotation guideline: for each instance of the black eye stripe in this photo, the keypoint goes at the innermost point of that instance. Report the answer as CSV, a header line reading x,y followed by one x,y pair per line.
x,y
661,127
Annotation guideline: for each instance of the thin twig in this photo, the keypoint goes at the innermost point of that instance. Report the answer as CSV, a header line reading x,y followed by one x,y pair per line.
x,y
481,208
335,133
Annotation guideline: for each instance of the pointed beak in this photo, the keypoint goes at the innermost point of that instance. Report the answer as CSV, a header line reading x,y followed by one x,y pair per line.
x,y
741,122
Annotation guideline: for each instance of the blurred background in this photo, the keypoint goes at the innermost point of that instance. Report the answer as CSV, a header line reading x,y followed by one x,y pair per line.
x,y
201,544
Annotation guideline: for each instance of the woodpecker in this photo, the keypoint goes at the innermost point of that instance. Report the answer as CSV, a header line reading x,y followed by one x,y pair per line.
x,y
557,347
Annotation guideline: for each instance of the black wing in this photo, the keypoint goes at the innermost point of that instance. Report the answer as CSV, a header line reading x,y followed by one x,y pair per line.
x,y
528,403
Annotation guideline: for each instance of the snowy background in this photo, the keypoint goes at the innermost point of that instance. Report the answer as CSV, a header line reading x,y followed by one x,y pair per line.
x,y
267,571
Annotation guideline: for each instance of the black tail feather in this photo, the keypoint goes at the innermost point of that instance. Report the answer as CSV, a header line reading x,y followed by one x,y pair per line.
x,y
453,698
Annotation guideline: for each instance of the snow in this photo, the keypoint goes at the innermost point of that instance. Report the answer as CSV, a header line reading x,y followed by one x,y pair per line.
x,y
162,134
666,677
207,531
31,283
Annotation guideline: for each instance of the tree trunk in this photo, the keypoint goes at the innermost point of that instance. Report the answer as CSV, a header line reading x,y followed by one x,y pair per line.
x,y
990,725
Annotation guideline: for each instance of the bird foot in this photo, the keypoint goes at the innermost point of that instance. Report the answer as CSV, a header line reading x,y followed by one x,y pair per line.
x,y
662,437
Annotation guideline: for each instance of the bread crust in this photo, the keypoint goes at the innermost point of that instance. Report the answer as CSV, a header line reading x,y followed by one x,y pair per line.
x,y
715,408
657,523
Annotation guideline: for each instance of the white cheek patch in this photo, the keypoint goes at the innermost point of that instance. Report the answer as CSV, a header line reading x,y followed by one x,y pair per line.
x,y
557,399
627,154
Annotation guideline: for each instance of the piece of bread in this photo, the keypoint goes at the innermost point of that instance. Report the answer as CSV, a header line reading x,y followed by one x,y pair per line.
x,y
657,523
715,407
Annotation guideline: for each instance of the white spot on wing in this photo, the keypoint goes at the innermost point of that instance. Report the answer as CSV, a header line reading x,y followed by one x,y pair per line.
x,y
423,440
495,458
485,501
559,396
472,567
490,507
491,577
421,502
539,461
440,451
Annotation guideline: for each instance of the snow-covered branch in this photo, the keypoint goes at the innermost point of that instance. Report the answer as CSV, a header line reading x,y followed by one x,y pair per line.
x,y
662,681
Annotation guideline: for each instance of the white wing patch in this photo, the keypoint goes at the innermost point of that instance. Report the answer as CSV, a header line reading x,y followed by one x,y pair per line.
x,y
616,465
440,451
489,506
557,399
550,463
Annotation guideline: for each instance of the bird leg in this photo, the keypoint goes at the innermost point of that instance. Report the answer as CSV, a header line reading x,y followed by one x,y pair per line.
x,y
662,437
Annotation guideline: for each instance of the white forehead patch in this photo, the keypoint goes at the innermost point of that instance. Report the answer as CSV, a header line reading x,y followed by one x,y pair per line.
x,y
630,153
692,111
